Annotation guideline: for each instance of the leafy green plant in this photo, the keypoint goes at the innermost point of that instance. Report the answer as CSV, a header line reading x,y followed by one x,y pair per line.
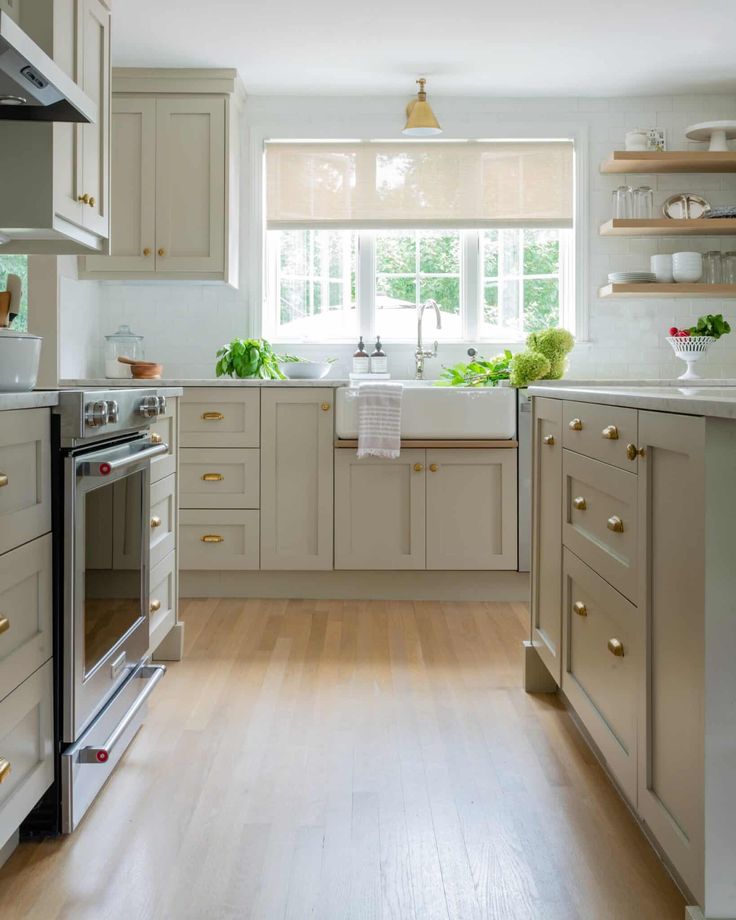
x,y
710,325
478,373
248,358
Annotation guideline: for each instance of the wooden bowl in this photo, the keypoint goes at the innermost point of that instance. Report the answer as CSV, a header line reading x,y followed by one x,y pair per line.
x,y
146,371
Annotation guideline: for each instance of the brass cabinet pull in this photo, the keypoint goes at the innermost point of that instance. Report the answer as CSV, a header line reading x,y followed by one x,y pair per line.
x,y
212,417
418,467
610,432
155,521
155,606
4,769
632,451
615,524
212,477
4,624
325,407
549,440
156,438
615,647
146,252
212,538
580,608
83,198
433,467
162,252
91,201
576,425
3,480
579,503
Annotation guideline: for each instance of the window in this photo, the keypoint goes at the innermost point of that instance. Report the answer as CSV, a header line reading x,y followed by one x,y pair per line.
x,y
16,265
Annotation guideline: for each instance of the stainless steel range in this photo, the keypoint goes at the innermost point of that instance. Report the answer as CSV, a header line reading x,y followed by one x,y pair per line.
x,y
102,495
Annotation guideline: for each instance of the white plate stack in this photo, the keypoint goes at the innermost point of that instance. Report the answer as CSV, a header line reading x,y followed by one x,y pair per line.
x,y
631,277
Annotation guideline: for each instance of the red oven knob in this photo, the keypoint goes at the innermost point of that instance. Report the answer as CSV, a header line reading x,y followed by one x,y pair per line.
x,y
105,469
102,756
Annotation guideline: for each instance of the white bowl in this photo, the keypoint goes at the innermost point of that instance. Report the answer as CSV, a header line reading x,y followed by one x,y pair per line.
x,y
19,357
687,266
304,370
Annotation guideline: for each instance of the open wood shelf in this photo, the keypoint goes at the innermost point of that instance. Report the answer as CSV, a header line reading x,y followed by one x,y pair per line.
x,y
675,161
655,289
719,226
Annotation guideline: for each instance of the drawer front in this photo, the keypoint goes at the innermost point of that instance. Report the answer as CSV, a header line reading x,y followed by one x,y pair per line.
x,y
25,476
163,518
217,417
162,600
25,612
601,432
603,648
219,540
163,430
219,477
600,523
26,745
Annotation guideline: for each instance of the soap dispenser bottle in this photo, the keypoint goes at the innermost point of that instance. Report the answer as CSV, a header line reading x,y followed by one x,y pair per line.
x,y
379,361
361,361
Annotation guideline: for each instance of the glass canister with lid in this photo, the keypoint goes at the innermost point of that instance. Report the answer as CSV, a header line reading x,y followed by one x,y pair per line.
x,y
122,344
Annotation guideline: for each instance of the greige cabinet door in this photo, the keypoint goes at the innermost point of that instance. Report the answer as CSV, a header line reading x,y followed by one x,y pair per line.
x,y
296,478
671,596
93,24
547,533
380,511
190,184
471,509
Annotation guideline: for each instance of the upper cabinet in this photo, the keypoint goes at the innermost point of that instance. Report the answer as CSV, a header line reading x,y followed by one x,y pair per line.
x,y
11,7
174,167
65,165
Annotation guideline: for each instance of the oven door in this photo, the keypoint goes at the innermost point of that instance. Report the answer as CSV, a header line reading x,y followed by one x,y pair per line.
x,y
106,575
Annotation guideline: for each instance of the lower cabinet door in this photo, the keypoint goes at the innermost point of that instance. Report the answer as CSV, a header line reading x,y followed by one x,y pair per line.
x,y
162,600
471,509
603,650
26,748
163,518
218,540
380,511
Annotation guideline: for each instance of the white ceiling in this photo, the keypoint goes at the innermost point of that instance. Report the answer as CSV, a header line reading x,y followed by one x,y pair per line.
x,y
466,47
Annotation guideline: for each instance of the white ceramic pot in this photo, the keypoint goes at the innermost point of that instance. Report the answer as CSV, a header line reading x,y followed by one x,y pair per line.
x,y
687,267
19,357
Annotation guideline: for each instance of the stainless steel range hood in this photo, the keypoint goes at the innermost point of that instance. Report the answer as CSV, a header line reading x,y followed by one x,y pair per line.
x,y
32,86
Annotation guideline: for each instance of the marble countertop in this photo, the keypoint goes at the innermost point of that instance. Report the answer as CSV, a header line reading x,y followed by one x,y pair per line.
x,y
708,400
36,399
201,382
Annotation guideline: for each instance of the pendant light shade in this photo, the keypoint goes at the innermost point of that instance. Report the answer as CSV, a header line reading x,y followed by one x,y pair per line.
x,y
420,120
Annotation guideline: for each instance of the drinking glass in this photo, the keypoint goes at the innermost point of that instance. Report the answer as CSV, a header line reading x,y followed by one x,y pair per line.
x,y
712,273
643,203
622,202
728,267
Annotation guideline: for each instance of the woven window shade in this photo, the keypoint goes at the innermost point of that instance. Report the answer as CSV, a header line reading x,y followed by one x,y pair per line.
x,y
379,185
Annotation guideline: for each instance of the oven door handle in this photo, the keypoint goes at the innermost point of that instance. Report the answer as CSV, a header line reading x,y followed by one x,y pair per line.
x,y
152,674
105,467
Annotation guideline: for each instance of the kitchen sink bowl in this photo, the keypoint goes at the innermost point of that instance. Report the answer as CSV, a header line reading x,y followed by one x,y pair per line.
x,y
440,412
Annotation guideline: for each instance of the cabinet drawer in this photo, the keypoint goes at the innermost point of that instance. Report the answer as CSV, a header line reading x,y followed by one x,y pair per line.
x,y
600,519
162,600
219,477
603,646
233,540
163,518
25,612
25,476
217,417
601,432
26,744
163,430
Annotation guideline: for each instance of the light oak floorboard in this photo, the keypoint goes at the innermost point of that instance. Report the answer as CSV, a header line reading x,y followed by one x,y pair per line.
x,y
375,760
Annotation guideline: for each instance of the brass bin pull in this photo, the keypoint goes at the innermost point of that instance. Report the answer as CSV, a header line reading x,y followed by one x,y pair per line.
x,y
610,432
549,440
212,417
615,647
579,503
632,451
615,524
325,407
155,521
155,606
4,624
212,538
580,608
3,480
156,438
212,477
418,467
576,425
4,769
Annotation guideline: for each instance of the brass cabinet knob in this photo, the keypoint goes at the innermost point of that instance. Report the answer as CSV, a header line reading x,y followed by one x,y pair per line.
x,y
212,477
632,451
615,524
433,467
579,503
325,407
146,252
549,440
4,769
576,425
610,432
162,252
3,480
615,647
212,417
83,198
418,467
155,606
156,438
155,521
212,538
4,624
580,608
91,201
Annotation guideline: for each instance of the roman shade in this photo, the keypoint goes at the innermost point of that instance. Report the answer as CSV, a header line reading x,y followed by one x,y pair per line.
x,y
385,184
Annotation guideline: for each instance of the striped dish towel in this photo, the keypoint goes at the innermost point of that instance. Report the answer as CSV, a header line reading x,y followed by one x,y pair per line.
x,y
379,420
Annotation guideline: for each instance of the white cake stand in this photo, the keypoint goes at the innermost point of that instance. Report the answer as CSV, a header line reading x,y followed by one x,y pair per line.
x,y
717,132
690,349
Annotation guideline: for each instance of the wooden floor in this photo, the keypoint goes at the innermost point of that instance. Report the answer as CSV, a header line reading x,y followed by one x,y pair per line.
x,y
338,760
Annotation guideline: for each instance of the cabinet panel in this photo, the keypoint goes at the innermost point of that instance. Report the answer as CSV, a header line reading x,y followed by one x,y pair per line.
x,y
297,432
163,518
25,476
380,511
164,431
547,533
232,540
586,426
163,600
190,151
471,509
217,417
94,26
219,477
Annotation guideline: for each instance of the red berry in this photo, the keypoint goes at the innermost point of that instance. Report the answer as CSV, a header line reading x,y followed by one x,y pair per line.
x,y
674,330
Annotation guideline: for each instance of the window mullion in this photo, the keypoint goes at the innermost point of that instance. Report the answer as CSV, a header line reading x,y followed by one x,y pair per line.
x,y
366,283
471,288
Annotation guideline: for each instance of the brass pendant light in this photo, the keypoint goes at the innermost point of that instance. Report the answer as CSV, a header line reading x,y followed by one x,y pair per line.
x,y
420,120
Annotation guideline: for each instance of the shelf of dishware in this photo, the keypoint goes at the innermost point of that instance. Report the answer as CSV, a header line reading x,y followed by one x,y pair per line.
x,y
666,226
660,289
672,161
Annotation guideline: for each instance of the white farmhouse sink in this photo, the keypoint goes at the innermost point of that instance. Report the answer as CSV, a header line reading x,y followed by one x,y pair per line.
x,y
428,411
